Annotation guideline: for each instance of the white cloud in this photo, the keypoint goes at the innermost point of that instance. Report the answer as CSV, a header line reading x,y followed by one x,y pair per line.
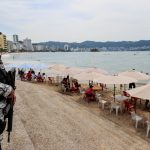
x,y
76,20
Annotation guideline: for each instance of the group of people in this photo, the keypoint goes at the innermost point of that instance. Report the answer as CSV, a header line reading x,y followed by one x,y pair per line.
x,y
72,86
30,75
89,94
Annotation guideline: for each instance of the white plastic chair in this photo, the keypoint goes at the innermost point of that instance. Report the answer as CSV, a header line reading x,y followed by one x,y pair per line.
x,y
97,95
136,118
82,92
114,106
63,88
101,102
148,128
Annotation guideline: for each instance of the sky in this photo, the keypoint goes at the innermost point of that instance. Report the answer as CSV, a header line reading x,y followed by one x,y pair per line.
x,y
76,20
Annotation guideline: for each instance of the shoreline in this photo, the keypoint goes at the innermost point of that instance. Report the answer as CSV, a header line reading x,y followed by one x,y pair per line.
x,y
122,61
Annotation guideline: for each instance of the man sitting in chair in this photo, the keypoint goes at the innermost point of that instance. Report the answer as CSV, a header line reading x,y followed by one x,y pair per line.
x,y
75,86
89,94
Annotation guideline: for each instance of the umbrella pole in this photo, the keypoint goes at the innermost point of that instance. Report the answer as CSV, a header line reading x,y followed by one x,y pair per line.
x,y
114,92
124,87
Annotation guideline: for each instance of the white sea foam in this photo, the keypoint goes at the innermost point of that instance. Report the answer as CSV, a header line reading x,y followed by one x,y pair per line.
x,y
5,55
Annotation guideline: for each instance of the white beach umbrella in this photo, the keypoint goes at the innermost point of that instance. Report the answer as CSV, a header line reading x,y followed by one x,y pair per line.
x,y
58,67
114,79
141,92
117,79
86,76
71,71
26,66
135,74
94,69
40,66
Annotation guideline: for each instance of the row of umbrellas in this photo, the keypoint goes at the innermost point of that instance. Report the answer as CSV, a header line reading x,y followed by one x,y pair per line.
x,y
97,75
86,74
72,71
101,76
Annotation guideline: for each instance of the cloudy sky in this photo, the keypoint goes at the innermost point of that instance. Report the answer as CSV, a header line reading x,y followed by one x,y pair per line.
x,y
76,20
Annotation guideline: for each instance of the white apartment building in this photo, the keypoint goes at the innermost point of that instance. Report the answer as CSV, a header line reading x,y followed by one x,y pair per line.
x,y
27,44
38,47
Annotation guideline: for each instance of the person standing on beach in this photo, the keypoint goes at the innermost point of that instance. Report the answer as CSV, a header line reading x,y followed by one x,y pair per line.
x,y
6,91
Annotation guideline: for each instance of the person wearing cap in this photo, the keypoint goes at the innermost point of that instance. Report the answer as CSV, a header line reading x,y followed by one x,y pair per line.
x,y
6,91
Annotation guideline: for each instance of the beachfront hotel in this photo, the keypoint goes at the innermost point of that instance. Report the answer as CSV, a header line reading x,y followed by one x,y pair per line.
x,y
3,41
28,44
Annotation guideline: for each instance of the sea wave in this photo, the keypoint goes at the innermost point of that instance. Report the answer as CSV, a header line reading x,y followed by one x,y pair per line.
x,y
6,55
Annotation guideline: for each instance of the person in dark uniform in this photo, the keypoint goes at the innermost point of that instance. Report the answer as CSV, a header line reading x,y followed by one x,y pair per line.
x,y
146,104
6,91
132,85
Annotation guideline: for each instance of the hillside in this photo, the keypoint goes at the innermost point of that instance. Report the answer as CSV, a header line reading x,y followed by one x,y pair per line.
x,y
128,45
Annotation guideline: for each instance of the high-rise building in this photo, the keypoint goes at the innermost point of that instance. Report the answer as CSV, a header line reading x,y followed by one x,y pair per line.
x,y
9,46
15,38
3,41
38,47
27,44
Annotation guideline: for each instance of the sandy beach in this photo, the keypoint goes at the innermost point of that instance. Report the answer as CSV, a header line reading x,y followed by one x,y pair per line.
x,y
47,120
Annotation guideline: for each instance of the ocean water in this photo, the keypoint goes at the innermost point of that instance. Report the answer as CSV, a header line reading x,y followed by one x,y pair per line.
x,y
113,62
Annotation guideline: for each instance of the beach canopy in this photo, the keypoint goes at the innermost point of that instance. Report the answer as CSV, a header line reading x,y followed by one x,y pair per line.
x,y
94,69
114,79
40,66
26,66
86,76
135,74
58,67
140,92
71,71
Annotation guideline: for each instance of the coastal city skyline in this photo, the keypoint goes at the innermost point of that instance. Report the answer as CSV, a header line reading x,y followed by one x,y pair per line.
x,y
76,21
26,45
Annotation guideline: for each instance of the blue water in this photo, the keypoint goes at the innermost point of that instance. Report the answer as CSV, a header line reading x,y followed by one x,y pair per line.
x,y
113,62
